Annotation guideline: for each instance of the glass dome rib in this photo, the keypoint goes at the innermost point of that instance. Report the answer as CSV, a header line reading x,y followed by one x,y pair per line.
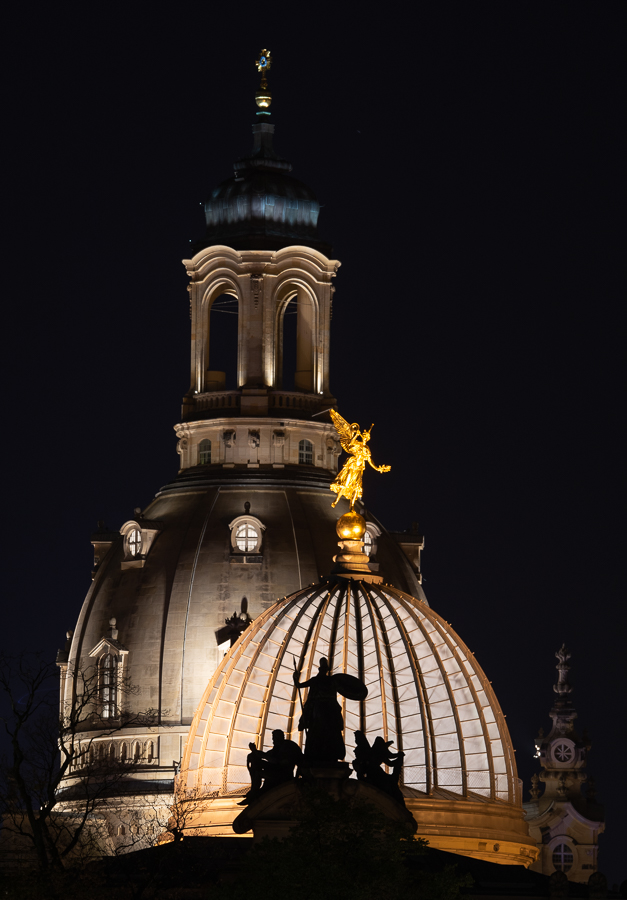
x,y
426,693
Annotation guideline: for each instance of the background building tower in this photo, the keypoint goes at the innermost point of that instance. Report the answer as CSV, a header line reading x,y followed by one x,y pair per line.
x,y
564,822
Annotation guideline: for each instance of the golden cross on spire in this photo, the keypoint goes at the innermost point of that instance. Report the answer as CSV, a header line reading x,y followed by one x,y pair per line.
x,y
263,98
264,64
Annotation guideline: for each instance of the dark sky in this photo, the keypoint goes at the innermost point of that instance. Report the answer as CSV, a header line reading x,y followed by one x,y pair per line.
x,y
470,163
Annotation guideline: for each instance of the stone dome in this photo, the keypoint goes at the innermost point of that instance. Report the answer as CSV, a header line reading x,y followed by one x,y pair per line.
x,y
426,693
169,602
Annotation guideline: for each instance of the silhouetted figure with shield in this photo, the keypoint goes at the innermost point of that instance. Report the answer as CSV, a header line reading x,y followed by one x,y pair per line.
x,y
322,719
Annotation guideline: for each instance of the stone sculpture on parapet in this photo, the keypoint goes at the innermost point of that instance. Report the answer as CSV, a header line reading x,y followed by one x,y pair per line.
x,y
276,793
322,719
369,760
272,768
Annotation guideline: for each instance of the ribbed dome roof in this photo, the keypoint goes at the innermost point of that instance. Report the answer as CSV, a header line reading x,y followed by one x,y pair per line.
x,y
262,206
426,692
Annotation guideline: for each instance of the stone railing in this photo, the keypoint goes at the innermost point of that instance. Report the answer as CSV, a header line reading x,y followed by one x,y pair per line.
x,y
217,400
292,403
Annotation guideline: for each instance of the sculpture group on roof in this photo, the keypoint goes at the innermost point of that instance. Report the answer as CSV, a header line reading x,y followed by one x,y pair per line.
x,y
323,724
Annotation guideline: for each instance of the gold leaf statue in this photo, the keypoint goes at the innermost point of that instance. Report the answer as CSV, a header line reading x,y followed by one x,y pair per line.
x,y
355,442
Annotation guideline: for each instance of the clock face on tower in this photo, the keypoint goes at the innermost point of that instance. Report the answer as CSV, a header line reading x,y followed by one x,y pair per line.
x,y
563,752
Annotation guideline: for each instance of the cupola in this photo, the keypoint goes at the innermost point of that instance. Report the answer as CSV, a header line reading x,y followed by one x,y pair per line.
x,y
262,206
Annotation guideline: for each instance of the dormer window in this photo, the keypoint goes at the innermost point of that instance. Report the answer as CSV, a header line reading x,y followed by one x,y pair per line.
x,y
246,535
371,537
134,542
138,535
108,666
109,656
204,452
305,453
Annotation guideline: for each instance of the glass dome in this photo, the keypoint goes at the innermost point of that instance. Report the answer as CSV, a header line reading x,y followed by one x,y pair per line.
x,y
426,692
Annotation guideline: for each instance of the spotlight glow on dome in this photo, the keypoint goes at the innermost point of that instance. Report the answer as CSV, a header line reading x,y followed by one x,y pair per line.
x,y
426,692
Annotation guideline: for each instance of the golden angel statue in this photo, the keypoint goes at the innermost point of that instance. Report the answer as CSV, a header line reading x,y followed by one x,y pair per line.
x,y
355,442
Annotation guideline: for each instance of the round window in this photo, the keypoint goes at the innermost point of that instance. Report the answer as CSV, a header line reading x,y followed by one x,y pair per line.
x,y
563,753
246,538
135,542
563,858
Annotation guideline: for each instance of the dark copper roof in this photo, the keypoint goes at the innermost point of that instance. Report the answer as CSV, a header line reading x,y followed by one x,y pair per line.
x,y
262,206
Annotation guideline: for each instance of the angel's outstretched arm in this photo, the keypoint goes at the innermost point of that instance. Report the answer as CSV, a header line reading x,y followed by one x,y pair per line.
x,y
379,468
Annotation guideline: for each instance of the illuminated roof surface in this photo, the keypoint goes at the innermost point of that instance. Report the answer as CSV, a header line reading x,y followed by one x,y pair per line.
x,y
426,692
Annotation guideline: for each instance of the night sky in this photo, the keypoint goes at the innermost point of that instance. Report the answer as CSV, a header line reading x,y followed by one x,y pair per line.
x,y
470,163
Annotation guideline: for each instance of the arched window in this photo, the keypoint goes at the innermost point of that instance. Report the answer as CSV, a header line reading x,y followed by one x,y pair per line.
x,y
246,538
371,539
123,753
136,751
305,453
134,542
246,534
149,751
204,453
222,357
296,341
108,685
563,858
111,753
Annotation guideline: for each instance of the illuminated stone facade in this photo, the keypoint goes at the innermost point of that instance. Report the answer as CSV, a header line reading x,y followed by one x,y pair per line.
x,y
249,516
256,459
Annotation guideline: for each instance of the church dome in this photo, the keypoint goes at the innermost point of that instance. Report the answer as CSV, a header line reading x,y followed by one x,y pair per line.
x,y
426,693
168,602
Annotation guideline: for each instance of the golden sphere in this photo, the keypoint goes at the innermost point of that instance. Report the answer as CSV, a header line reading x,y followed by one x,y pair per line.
x,y
263,99
351,526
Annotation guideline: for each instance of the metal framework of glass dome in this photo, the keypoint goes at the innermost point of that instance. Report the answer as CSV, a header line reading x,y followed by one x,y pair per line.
x,y
426,692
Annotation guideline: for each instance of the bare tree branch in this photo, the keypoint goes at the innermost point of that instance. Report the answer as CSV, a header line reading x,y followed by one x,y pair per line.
x,y
58,779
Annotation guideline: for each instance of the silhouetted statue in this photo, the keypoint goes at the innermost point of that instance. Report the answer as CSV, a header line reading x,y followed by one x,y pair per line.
x,y
254,764
368,762
274,767
322,715
234,625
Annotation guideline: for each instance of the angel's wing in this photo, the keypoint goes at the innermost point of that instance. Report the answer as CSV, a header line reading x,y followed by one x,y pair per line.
x,y
343,429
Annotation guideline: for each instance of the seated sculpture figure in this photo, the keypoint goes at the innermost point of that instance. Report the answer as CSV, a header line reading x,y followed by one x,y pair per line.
x,y
273,767
368,762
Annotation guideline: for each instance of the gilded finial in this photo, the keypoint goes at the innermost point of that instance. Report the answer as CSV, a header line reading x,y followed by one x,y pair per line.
x,y
354,441
263,98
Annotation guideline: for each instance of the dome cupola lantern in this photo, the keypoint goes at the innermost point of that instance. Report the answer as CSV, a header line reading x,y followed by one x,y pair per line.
x,y
262,260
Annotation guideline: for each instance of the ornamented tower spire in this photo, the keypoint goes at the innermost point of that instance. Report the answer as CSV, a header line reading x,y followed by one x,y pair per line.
x,y
565,822
261,253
